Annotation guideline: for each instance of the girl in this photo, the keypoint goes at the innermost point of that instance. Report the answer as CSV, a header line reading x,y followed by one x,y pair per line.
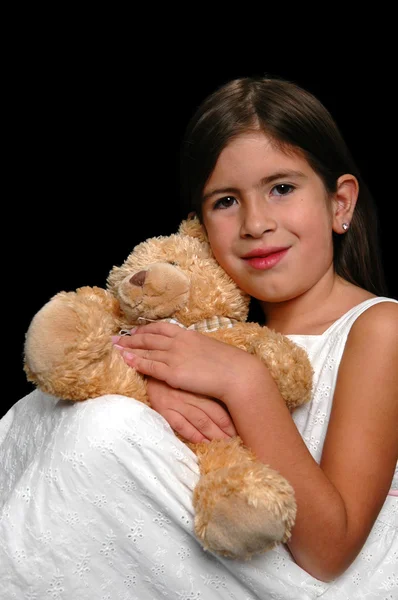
x,y
290,219
95,497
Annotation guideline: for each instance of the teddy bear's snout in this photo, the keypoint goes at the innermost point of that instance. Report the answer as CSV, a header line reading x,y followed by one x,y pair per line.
x,y
138,278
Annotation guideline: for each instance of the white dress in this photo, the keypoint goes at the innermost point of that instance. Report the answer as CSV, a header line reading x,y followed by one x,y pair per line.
x,y
95,504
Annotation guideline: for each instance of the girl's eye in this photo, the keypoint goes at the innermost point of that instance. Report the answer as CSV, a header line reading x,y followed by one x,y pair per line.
x,y
225,202
282,189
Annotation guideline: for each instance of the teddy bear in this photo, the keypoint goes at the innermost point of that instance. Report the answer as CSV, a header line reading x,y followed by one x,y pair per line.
x,y
242,507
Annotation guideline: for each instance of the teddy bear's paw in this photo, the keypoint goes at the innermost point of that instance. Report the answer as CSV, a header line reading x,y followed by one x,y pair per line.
x,y
68,350
243,510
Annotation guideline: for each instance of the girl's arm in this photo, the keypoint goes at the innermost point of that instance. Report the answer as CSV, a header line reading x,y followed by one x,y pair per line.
x,y
338,500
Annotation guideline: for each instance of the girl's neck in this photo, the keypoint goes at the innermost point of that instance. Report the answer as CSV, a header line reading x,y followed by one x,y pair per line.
x,y
313,312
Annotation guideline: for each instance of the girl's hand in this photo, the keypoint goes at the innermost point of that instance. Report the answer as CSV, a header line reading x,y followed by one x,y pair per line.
x,y
195,418
187,360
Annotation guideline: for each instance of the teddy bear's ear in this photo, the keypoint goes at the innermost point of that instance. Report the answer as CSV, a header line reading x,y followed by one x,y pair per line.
x,y
192,227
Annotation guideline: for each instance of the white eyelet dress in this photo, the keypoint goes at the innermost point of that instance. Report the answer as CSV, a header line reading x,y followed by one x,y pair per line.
x,y
95,504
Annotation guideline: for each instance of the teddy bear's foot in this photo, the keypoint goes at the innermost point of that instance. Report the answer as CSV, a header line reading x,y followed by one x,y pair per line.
x,y
243,510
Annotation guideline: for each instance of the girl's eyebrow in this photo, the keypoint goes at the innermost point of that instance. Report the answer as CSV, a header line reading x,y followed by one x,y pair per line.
x,y
286,173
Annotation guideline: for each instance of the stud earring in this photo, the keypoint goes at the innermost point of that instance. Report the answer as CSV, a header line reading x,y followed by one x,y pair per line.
x,y
345,226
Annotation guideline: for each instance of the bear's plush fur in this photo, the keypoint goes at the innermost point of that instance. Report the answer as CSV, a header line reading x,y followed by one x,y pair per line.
x,y
242,506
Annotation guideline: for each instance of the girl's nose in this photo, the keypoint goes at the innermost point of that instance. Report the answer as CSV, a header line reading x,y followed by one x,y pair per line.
x,y
257,220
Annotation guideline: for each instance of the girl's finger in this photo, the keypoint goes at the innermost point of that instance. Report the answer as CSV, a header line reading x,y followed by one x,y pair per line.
x,y
225,423
150,341
151,355
146,366
203,423
183,427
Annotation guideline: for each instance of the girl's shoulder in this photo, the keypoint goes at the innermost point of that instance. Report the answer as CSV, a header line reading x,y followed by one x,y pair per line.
x,y
377,317
371,317
374,312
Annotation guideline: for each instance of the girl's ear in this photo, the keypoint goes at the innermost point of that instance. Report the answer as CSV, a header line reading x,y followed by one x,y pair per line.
x,y
344,202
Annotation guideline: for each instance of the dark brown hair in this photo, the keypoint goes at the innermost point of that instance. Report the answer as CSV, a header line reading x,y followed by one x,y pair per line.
x,y
295,120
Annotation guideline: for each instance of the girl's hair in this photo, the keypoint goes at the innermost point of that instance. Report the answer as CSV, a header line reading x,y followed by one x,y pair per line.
x,y
295,120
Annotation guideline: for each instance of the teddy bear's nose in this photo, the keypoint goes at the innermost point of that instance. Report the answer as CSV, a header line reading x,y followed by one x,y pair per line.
x,y
138,278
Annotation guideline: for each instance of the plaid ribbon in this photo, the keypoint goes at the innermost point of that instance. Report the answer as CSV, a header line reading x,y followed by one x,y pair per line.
x,y
206,325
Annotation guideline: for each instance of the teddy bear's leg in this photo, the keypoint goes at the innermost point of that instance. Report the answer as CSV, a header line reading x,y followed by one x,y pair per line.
x,y
69,351
242,507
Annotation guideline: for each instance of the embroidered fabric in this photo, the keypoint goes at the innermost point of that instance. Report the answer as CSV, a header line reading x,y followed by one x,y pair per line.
x,y
95,504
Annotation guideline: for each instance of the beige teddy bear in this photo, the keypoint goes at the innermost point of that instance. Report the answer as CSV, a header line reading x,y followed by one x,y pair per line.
x,y
242,507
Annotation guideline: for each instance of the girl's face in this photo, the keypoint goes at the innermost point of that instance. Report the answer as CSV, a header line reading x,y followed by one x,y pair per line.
x,y
268,219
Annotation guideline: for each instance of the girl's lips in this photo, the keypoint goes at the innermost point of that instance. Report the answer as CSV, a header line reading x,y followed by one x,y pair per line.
x,y
263,263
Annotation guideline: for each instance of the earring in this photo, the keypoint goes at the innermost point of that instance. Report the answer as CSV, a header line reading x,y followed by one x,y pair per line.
x,y
345,226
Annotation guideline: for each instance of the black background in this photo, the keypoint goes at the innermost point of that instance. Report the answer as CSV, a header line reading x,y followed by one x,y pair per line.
x,y
93,159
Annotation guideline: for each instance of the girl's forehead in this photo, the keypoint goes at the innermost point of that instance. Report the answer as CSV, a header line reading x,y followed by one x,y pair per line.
x,y
261,141
255,150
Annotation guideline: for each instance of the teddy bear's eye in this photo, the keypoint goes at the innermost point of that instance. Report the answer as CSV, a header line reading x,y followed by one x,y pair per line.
x,y
172,262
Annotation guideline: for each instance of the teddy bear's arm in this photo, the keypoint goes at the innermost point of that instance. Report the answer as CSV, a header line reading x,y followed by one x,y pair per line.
x,y
287,362
68,348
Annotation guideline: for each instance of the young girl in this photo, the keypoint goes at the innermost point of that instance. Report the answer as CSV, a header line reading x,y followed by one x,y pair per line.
x,y
96,497
290,219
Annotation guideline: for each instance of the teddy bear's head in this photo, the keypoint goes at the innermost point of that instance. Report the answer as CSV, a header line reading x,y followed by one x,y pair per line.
x,y
176,277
